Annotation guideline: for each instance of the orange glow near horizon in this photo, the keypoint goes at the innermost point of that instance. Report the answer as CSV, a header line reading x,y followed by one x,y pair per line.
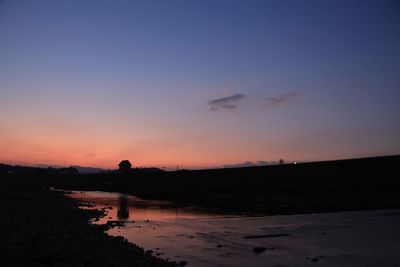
x,y
95,153
104,147
107,157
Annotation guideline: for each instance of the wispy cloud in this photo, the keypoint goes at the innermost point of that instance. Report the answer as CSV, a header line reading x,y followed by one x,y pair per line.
x,y
280,99
229,102
247,164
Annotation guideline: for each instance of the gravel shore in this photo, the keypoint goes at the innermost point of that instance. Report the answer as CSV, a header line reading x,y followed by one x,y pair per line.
x,y
40,227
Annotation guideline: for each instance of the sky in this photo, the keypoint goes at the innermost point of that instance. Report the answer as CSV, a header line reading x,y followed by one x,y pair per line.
x,y
199,84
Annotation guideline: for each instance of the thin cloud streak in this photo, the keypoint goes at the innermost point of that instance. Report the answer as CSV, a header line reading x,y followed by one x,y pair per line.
x,y
280,99
229,102
248,164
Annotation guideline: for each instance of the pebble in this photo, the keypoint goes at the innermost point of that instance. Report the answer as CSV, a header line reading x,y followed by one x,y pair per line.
x,y
259,249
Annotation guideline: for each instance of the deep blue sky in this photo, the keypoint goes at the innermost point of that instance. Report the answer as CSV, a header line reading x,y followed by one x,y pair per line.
x,y
92,82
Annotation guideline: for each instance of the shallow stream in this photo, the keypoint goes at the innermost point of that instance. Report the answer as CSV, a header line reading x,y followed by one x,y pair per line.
x,y
203,238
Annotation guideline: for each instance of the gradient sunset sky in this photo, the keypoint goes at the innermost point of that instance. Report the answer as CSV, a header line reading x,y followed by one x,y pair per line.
x,y
197,84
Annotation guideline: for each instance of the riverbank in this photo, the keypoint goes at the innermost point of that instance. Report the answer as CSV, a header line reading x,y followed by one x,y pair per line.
x,y
40,227
315,187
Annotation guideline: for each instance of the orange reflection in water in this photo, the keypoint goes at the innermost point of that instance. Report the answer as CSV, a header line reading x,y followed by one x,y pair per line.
x,y
130,208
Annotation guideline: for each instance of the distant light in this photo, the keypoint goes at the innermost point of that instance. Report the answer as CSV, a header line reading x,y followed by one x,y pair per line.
x,y
295,162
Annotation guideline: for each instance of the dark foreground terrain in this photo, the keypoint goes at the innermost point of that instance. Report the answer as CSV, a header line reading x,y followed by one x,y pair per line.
x,y
39,227
355,184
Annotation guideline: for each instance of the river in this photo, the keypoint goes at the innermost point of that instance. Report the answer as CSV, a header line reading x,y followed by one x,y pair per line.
x,y
205,238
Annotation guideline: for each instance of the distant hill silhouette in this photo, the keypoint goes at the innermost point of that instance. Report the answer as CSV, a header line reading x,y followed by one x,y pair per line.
x,y
6,169
85,170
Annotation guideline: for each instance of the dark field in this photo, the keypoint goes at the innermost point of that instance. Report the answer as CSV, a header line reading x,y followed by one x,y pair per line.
x,y
358,184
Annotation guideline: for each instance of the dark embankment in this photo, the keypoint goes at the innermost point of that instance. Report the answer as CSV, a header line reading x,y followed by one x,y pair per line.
x,y
44,228
369,183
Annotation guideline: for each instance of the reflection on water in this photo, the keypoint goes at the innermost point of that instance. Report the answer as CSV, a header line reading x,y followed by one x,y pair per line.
x,y
131,208
203,238
123,211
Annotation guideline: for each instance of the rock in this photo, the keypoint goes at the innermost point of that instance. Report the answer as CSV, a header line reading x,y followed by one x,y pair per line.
x,y
259,249
115,223
264,236
315,259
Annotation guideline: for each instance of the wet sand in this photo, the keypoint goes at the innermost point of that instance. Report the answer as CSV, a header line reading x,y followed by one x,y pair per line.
x,y
44,228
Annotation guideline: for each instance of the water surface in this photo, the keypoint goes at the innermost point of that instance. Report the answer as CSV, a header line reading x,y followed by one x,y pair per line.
x,y
205,238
